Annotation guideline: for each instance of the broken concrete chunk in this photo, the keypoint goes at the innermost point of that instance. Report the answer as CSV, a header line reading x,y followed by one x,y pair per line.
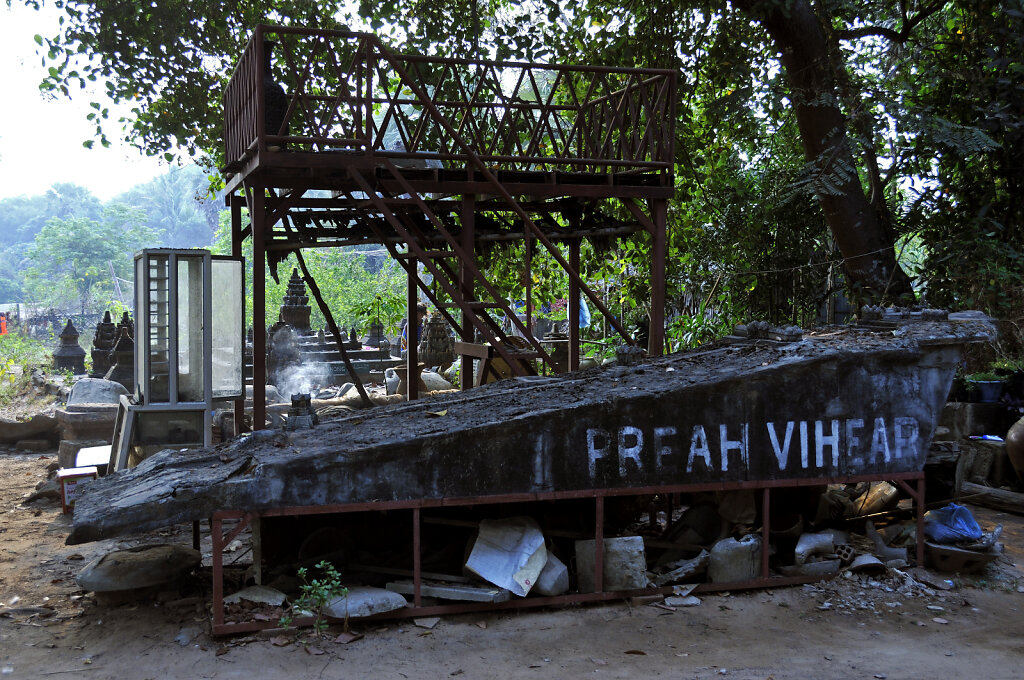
x,y
733,560
882,551
140,567
812,544
428,622
509,553
684,569
684,601
554,577
362,601
259,595
625,566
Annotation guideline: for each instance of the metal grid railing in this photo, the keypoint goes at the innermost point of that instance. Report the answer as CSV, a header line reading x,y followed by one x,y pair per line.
x,y
347,94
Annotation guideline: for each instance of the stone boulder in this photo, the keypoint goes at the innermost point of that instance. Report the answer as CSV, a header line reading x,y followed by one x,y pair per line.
x,y
363,601
141,567
96,391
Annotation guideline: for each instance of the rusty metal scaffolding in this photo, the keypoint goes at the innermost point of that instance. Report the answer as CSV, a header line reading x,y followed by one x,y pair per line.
x,y
433,159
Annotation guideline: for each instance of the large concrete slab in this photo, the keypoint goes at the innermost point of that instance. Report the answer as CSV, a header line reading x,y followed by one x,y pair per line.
x,y
840,402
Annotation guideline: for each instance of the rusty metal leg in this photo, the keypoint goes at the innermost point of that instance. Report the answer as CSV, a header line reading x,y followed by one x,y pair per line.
x,y
257,217
217,537
573,308
599,544
659,249
467,287
236,251
417,577
766,529
412,374
920,521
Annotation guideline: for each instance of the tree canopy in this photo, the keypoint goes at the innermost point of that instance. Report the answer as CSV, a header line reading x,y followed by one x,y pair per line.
x,y
815,141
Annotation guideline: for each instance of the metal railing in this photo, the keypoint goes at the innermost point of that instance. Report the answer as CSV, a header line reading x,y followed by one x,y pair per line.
x,y
348,94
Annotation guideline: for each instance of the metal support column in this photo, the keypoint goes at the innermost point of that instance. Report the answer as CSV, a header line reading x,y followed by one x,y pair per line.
x,y
659,249
258,219
412,326
466,373
573,308
236,251
766,530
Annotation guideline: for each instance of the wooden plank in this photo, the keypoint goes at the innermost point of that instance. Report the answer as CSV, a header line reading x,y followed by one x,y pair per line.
x,y
999,499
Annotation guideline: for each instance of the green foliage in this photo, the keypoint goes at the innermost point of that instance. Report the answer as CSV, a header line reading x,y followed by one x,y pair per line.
x,y
71,259
931,95
315,595
19,354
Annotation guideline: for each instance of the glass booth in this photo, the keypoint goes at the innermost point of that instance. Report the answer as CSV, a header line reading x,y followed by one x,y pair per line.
x,y
189,343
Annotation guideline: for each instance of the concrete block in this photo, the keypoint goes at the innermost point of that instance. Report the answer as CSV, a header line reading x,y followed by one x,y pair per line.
x,y
733,560
87,422
67,452
625,565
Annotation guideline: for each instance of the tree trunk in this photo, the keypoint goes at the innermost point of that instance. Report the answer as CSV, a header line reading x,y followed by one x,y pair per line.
x,y
864,241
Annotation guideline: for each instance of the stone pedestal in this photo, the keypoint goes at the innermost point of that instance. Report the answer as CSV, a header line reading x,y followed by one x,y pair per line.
x,y
67,452
87,422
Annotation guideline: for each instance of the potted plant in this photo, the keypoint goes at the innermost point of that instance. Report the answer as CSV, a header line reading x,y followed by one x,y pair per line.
x,y
987,385
1011,372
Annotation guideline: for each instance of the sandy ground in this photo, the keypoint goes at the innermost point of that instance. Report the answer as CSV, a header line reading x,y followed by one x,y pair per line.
x,y
846,628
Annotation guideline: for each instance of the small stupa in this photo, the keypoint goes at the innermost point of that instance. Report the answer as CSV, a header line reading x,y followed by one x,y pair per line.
x,y
295,309
102,345
69,355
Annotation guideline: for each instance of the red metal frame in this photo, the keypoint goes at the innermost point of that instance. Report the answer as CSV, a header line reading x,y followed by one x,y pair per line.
x,y
220,541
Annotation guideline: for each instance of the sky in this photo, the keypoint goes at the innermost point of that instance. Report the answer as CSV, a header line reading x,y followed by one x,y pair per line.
x,y
41,138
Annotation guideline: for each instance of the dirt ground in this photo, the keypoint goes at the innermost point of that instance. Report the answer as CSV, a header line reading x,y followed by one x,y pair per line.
x,y
846,628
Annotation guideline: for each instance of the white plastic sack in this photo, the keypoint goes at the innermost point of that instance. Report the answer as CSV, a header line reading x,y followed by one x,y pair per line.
x,y
509,553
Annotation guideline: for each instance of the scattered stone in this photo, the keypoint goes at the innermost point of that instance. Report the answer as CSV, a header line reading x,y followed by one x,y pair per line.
x,y
49,489
686,601
347,637
428,622
187,634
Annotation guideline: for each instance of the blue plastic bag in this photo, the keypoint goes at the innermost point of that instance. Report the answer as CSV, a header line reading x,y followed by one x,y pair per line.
x,y
951,524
